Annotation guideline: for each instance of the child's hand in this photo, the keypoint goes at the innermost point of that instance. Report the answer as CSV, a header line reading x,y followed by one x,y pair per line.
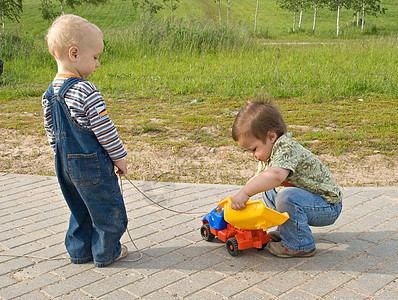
x,y
239,200
121,166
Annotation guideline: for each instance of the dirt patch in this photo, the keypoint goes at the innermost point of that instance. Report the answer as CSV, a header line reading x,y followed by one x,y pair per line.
x,y
31,154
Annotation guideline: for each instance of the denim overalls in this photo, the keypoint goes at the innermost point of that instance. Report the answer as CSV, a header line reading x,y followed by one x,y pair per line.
x,y
90,187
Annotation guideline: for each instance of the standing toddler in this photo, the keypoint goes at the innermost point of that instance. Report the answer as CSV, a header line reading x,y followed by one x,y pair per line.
x,y
86,145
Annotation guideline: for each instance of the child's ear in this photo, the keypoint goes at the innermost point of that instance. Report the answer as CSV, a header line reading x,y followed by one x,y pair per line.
x,y
73,53
272,136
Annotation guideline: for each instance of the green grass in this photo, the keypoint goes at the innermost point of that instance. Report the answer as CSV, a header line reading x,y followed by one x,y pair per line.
x,y
181,85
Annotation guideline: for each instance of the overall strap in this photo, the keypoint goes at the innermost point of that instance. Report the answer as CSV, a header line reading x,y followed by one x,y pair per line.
x,y
49,93
67,84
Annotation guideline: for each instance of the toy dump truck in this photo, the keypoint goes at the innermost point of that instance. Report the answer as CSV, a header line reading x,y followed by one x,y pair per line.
x,y
241,229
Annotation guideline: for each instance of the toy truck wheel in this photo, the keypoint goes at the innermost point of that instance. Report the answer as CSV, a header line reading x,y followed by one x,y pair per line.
x,y
232,246
206,233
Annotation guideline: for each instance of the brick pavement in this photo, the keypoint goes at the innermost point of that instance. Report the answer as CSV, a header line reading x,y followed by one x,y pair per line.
x,y
357,257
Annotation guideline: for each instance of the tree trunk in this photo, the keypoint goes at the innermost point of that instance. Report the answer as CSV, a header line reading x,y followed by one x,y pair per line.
x,y
315,8
219,11
358,18
172,11
338,19
255,17
228,2
294,21
3,19
301,14
62,6
363,15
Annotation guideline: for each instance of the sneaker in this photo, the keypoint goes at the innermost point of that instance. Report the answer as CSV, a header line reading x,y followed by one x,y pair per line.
x,y
123,253
275,236
277,249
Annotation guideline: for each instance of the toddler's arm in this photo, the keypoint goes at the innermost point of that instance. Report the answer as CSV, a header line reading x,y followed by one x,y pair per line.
x,y
264,181
121,166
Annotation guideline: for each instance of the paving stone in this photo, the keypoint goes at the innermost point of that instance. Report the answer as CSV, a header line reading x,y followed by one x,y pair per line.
x,y
168,234
160,295
111,284
245,261
390,266
377,234
253,294
158,264
200,263
370,283
366,223
171,222
14,264
334,280
320,263
36,295
12,233
237,283
297,294
356,255
72,283
26,238
39,269
71,270
6,280
76,295
358,265
166,247
351,248
273,265
283,282
119,295
194,283
393,223
387,294
28,286
385,250
149,285
204,294
345,294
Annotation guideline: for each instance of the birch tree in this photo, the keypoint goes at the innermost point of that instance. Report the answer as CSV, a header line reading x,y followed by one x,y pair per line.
x,y
255,17
366,7
10,9
148,8
316,4
305,4
228,9
219,10
172,5
335,5
49,8
291,5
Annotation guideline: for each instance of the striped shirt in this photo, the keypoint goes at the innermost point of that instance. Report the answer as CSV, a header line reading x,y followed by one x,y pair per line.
x,y
87,108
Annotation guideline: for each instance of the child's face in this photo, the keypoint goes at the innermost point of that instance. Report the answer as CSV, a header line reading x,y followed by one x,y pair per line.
x,y
259,149
88,54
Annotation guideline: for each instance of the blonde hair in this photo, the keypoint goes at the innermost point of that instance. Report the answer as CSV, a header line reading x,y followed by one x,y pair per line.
x,y
67,31
256,119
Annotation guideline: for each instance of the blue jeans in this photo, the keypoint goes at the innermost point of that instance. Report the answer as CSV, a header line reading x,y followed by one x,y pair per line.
x,y
90,187
305,209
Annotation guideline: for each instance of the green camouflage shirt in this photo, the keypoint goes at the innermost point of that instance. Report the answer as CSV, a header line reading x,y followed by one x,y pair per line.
x,y
307,171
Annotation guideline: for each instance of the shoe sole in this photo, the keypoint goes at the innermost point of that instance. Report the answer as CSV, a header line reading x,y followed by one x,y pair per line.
x,y
309,254
123,253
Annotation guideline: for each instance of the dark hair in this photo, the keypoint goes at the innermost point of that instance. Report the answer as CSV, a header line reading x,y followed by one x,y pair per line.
x,y
256,119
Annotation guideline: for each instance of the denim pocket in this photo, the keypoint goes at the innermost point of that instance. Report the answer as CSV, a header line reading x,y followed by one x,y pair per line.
x,y
84,169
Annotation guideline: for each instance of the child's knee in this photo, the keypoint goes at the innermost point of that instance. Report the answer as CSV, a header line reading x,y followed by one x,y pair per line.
x,y
284,199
